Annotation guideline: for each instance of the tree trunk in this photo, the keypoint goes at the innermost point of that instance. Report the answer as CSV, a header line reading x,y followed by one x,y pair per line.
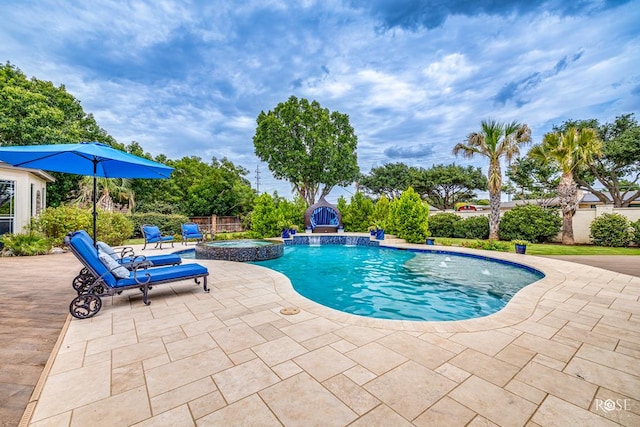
x,y
494,216
495,188
568,196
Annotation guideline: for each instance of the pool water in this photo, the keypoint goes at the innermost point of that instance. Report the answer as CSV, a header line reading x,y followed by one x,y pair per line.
x,y
398,284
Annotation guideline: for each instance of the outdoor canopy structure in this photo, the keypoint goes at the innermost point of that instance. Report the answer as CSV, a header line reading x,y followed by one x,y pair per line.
x,y
87,158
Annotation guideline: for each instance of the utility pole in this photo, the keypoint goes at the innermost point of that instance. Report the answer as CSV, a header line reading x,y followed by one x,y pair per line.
x,y
258,179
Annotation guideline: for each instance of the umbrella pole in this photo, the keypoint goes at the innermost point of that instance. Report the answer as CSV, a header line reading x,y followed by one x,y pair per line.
x,y
95,212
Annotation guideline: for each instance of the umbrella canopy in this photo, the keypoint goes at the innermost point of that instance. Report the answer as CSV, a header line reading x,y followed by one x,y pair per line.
x,y
87,158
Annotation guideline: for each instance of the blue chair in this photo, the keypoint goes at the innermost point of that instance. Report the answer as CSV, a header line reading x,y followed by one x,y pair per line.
x,y
151,234
190,230
126,258
111,278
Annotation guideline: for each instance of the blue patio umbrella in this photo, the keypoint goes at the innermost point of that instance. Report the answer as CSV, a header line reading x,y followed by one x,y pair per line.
x,y
86,158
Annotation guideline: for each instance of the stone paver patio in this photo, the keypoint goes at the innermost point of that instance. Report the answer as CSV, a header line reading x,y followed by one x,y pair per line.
x,y
564,351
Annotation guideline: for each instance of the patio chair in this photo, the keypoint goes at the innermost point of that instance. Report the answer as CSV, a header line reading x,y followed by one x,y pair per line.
x,y
112,278
125,258
151,234
190,230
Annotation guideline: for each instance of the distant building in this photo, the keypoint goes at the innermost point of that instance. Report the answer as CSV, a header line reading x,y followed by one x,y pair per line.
x,y
23,195
587,201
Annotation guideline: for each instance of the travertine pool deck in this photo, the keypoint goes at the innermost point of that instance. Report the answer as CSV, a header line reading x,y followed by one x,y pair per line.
x,y
564,351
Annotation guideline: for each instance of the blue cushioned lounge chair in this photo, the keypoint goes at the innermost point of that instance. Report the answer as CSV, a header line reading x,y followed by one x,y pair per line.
x,y
111,278
151,234
126,258
190,230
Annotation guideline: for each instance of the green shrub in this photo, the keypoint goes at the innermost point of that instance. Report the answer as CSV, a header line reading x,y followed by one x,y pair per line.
x,y
266,220
408,217
357,215
530,222
474,227
114,228
168,224
380,212
611,230
487,245
55,223
635,228
443,224
25,244
291,212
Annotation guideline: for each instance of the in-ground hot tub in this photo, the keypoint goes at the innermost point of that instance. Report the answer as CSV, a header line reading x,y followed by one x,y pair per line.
x,y
240,250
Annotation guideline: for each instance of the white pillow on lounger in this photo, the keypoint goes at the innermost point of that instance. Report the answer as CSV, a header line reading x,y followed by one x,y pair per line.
x,y
108,250
112,265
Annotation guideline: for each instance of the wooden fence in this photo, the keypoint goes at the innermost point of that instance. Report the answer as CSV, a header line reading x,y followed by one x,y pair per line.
x,y
218,224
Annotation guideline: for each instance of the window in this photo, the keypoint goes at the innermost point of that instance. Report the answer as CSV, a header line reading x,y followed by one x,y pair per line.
x,y
7,206
38,202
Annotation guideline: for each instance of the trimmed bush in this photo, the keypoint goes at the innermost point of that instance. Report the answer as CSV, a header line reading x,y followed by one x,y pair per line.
x,y
408,217
474,227
168,224
266,221
357,215
487,245
25,244
380,214
114,228
611,230
55,223
443,224
530,222
635,226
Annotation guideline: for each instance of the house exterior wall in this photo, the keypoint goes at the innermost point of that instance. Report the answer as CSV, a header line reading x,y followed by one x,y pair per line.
x,y
25,196
581,220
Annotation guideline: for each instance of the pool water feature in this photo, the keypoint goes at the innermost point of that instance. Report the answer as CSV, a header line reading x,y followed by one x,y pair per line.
x,y
401,284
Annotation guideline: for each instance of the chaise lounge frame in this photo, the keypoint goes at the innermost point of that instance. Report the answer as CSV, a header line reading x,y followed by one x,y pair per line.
x,y
89,303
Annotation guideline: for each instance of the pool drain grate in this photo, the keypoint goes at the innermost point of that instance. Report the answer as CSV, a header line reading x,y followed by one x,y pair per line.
x,y
288,311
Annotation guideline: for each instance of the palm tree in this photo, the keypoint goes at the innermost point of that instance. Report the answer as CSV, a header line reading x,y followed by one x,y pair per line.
x,y
108,190
569,150
495,141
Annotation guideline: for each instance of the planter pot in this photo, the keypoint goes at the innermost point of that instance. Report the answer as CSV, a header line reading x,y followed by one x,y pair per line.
x,y
308,230
521,249
285,234
372,232
292,231
340,230
380,234
431,241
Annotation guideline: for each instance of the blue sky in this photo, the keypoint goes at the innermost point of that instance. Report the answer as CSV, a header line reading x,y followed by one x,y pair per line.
x,y
415,77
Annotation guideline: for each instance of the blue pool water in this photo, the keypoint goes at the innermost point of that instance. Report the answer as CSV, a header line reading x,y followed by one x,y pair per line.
x,y
398,284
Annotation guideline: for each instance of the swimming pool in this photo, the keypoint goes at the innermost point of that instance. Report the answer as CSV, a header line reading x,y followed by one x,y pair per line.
x,y
401,284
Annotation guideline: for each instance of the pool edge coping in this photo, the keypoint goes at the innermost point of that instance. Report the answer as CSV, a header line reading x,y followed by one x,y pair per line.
x,y
520,307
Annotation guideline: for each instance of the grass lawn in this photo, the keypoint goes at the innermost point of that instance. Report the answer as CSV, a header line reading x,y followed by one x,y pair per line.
x,y
558,249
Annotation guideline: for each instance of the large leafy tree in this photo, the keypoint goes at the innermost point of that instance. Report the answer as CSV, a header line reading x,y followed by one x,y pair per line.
x,y
618,168
388,180
495,141
532,179
569,151
309,146
34,112
445,185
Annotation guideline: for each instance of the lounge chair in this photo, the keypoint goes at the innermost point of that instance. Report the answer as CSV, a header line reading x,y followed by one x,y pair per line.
x,y
112,278
190,230
151,234
126,258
